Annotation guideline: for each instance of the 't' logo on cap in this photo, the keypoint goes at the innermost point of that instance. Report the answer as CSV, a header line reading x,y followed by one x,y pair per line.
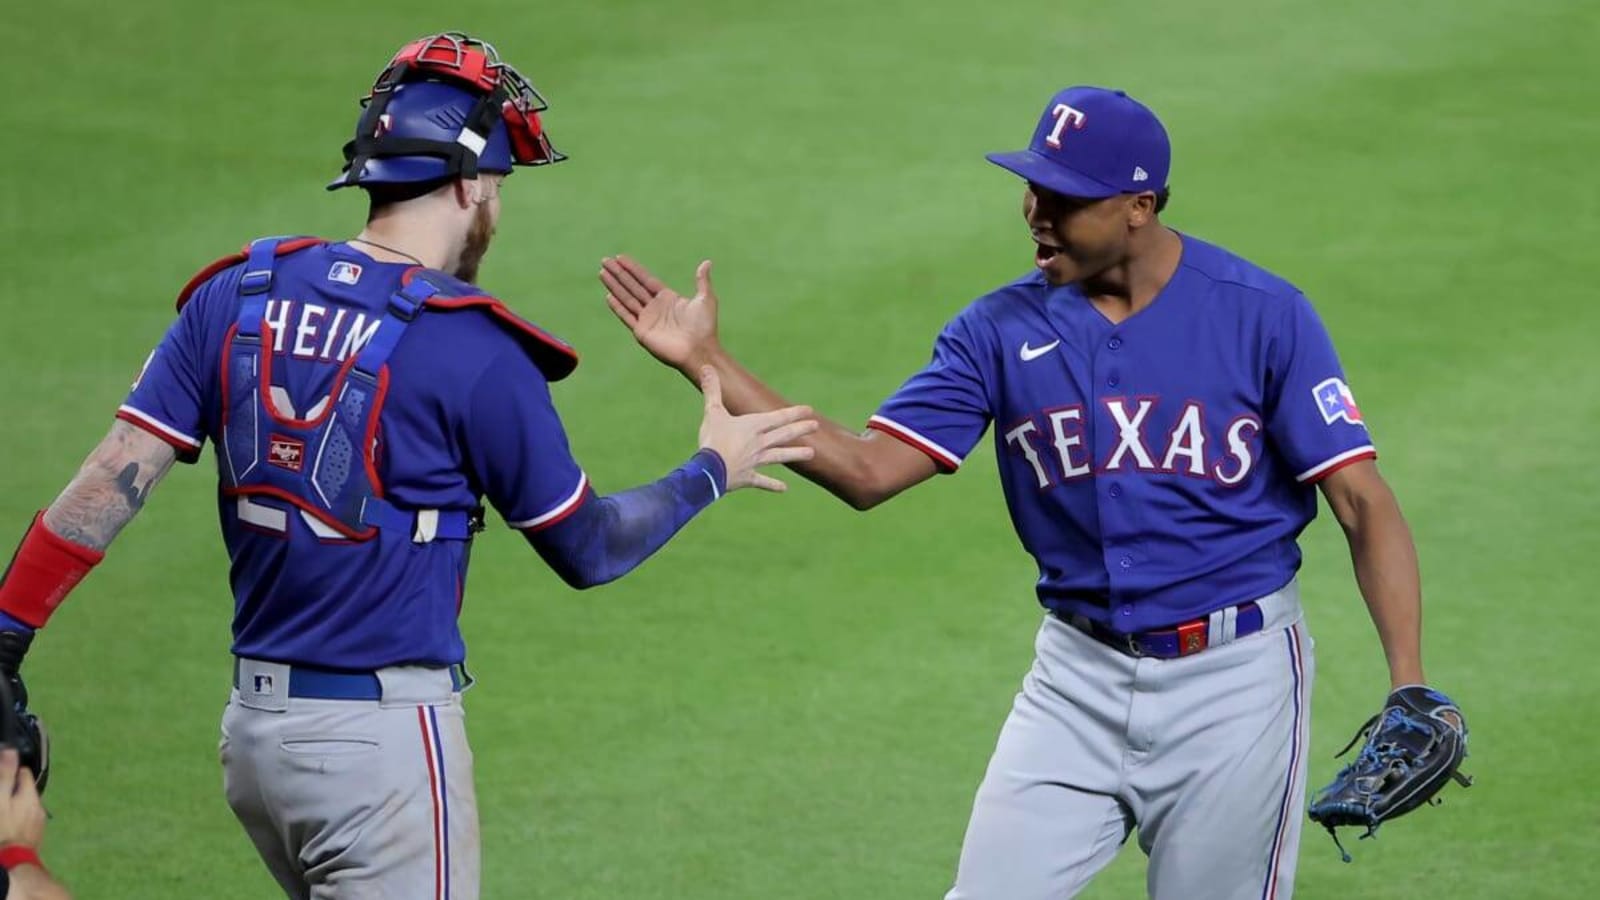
x,y
1064,114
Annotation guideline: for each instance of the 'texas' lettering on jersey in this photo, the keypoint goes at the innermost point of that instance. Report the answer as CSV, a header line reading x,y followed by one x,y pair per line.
x,y
1053,443
316,331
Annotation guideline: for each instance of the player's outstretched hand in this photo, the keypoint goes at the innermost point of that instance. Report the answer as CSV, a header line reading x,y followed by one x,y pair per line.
x,y
680,331
747,443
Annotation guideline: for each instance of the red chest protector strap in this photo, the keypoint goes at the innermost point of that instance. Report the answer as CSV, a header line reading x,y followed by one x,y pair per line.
x,y
283,247
555,358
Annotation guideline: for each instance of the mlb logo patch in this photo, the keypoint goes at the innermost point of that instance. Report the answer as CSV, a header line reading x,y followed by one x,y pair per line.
x,y
1336,402
345,272
263,685
286,453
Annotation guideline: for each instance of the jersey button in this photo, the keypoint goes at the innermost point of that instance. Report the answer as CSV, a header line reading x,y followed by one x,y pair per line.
x,y
1126,562
1115,491
1114,380
1115,343
1126,610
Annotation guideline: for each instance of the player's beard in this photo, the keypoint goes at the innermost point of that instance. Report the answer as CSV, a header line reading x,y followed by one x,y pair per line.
x,y
479,234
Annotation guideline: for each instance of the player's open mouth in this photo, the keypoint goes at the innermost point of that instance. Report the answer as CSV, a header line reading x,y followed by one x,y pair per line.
x,y
1044,253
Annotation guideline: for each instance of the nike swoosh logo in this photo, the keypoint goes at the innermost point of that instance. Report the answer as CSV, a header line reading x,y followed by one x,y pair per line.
x,y
1029,354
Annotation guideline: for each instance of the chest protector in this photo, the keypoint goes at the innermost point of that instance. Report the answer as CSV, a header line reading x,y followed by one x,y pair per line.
x,y
323,464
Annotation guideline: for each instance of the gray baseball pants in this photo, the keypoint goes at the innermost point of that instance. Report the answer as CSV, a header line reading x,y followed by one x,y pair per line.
x,y
354,799
1206,754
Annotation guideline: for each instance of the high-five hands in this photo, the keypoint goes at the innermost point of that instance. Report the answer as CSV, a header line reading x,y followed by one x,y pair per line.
x,y
680,331
746,443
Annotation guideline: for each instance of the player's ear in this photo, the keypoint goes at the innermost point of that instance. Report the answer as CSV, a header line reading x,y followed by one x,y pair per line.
x,y
467,192
1141,209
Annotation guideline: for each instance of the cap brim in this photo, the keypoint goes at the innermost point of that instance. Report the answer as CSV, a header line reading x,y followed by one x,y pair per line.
x,y
1040,169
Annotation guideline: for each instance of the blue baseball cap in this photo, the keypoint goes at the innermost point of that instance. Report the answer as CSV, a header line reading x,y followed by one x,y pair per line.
x,y
1094,142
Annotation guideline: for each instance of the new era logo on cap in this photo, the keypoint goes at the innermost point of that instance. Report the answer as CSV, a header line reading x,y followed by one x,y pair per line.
x,y
1094,142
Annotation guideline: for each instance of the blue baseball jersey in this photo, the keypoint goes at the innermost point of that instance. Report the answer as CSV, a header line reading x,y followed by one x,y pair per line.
x,y
467,415
1157,469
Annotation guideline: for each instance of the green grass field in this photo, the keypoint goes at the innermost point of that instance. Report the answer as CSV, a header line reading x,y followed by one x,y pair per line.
x,y
794,700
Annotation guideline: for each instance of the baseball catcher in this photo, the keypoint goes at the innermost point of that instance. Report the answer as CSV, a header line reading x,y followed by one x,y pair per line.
x,y
366,399
1413,747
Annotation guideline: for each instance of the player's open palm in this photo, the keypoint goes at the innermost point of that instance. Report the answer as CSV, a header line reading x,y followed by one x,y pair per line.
x,y
747,443
675,329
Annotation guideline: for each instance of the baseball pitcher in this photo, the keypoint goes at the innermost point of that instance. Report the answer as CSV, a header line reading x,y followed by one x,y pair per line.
x,y
1164,413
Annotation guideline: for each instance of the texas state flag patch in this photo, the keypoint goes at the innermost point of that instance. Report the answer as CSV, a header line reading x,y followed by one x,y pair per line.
x,y
1336,402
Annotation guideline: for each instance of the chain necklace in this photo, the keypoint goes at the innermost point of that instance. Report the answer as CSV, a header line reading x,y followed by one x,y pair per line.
x,y
391,250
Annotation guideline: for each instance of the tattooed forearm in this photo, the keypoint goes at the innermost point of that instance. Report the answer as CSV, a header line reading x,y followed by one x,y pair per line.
x,y
111,487
128,481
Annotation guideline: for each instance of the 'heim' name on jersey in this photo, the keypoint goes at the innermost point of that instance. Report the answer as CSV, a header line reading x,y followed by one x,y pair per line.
x,y
313,331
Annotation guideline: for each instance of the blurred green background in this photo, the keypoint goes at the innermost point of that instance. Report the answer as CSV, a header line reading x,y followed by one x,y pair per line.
x,y
794,700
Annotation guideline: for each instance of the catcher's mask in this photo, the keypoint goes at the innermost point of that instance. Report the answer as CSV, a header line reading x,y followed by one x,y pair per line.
x,y
446,106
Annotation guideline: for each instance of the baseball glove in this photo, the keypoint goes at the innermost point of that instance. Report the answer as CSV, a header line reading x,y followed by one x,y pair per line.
x,y
1413,747
20,728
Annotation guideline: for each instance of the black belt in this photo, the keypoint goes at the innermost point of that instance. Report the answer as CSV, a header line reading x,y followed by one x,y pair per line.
x,y
1183,639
